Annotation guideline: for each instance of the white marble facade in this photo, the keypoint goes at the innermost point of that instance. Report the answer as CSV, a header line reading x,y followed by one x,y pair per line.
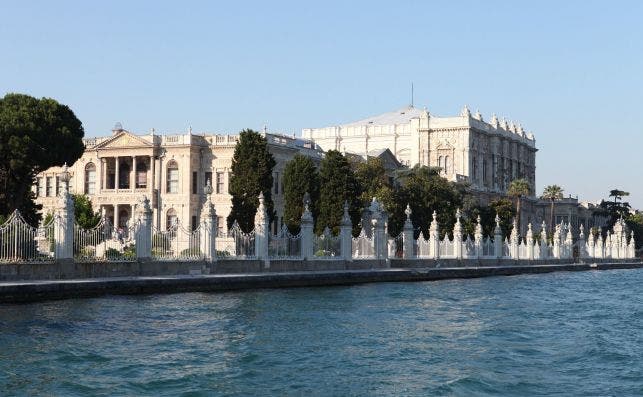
x,y
487,154
171,170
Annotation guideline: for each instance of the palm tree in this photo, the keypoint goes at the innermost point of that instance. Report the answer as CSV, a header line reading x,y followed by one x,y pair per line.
x,y
552,193
518,188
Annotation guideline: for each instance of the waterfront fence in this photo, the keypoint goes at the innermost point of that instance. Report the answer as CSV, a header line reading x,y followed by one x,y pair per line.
x,y
63,239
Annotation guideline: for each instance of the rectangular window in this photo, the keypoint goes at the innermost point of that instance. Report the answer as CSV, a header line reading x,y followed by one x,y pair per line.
x,y
58,186
208,178
194,223
220,176
194,182
220,226
71,184
50,186
41,187
141,179
173,180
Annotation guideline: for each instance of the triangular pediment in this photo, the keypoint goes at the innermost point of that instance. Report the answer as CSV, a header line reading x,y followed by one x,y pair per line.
x,y
124,139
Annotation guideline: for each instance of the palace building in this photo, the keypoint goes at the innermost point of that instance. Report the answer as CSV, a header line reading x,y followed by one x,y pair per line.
x,y
171,170
489,155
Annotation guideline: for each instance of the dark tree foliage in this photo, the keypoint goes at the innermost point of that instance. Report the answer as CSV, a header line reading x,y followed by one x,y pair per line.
x,y
337,184
84,213
300,177
371,179
506,212
35,134
252,166
426,191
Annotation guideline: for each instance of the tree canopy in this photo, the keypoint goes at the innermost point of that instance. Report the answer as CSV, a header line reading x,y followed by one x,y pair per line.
x,y
337,185
35,134
300,177
426,191
83,211
252,166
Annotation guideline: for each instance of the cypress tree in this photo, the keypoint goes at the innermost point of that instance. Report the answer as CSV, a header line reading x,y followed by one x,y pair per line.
x,y
300,177
252,166
337,184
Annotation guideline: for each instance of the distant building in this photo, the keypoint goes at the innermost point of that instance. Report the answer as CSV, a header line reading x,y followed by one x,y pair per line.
x,y
489,155
171,170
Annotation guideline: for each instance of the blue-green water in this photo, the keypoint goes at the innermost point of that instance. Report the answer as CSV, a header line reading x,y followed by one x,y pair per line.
x,y
556,334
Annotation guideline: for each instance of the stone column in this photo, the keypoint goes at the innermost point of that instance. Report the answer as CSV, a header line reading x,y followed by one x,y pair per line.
x,y
515,241
379,232
101,167
569,242
457,235
582,248
434,237
262,229
209,227
632,247
497,238
557,242
590,244
64,221
116,171
307,233
133,174
144,231
543,241
151,176
530,242
407,235
345,232
115,225
478,238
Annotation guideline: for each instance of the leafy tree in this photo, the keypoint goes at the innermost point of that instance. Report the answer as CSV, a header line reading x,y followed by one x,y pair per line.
x,y
635,223
337,184
506,212
552,193
84,213
35,134
374,182
300,177
252,166
518,188
616,209
426,191
618,194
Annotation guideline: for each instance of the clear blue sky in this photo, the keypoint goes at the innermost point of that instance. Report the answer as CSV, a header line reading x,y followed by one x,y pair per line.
x,y
571,72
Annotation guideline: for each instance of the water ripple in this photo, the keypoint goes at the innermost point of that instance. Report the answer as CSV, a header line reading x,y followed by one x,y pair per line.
x,y
572,334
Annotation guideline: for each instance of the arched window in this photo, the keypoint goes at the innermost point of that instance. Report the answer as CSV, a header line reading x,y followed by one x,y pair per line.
x,y
172,177
172,219
441,163
90,178
447,165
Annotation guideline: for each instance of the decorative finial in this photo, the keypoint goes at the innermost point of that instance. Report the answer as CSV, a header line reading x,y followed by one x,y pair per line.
x,y
190,130
407,211
478,115
465,111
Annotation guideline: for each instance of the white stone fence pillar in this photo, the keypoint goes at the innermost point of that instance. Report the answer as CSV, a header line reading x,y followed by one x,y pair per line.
x,y
345,232
407,235
262,228
64,220
307,233
143,233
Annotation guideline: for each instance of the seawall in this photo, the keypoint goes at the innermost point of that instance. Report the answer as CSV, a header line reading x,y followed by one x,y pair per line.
x,y
223,279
